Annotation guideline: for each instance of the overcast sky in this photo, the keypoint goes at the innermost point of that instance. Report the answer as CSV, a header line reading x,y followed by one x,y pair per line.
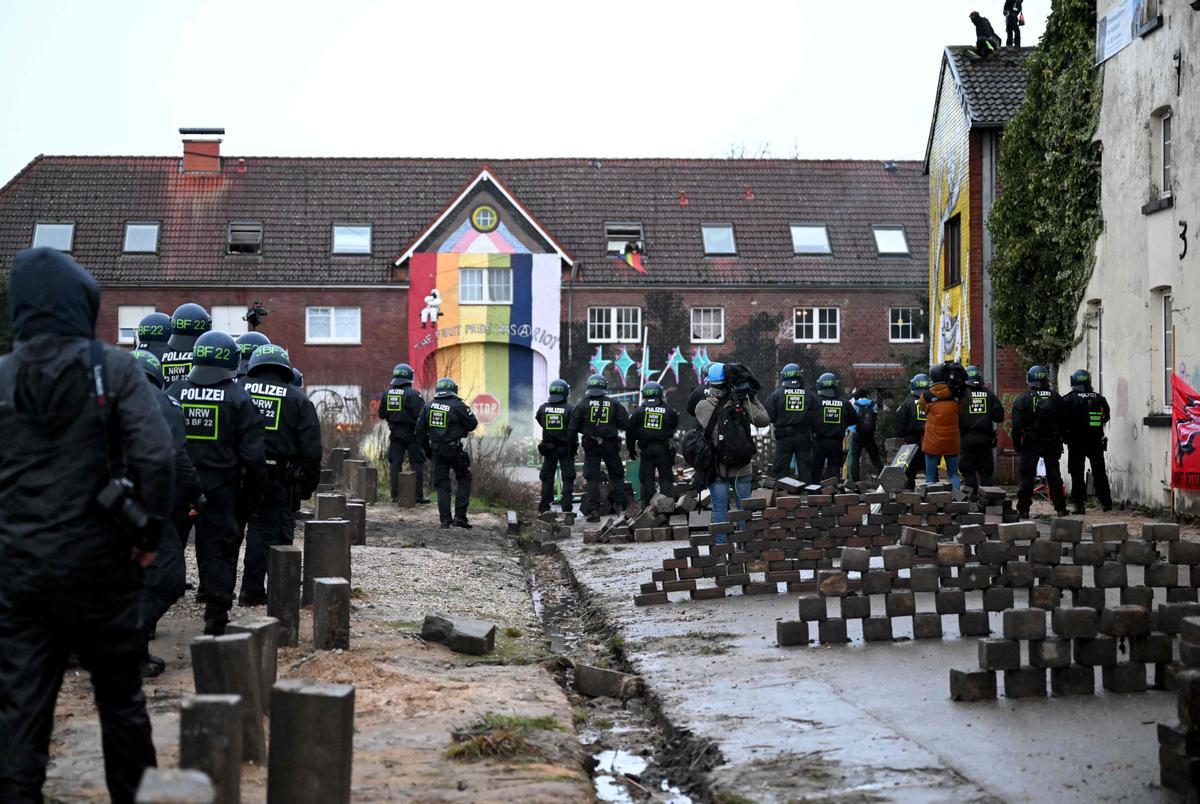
x,y
828,79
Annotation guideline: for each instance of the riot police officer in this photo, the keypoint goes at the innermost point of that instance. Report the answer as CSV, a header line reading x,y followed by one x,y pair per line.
x,y
167,576
401,408
910,424
1086,414
225,435
153,332
832,416
443,425
789,407
292,447
189,322
246,344
1037,418
981,412
557,447
598,422
652,425
86,478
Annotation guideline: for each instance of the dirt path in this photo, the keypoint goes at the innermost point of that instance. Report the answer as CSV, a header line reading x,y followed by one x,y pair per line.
x,y
409,697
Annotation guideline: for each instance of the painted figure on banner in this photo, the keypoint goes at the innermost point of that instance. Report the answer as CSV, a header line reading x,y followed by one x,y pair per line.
x,y
433,309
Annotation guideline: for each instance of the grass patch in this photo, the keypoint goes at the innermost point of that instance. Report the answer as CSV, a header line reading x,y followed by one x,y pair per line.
x,y
617,548
712,650
616,641
709,635
580,715
604,724
504,736
512,632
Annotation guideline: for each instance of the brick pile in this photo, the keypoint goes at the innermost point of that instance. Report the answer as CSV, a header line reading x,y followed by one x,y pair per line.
x,y
1179,745
663,520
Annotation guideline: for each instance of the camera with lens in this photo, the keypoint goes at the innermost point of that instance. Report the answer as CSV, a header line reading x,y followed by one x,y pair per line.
x,y
117,499
255,315
741,380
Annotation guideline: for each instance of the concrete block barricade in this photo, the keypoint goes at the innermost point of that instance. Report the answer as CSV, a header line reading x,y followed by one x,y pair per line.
x,y
356,513
210,741
312,743
228,665
331,614
330,506
326,553
284,581
265,633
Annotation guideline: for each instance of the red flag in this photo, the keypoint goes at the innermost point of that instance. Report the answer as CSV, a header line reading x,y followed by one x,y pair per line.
x,y
1185,441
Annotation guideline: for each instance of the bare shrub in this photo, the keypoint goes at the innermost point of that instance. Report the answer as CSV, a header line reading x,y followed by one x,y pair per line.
x,y
493,470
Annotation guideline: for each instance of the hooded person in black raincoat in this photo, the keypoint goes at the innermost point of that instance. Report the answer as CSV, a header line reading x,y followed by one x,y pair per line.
x,y
75,415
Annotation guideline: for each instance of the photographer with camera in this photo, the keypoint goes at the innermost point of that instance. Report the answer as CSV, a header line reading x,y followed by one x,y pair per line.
x,y
726,415
86,478
940,404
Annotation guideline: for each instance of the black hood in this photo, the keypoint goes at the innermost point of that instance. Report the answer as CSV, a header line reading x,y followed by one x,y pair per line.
x,y
51,294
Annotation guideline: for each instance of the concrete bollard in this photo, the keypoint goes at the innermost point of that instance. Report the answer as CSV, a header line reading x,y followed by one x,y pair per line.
x,y
330,506
265,631
227,665
210,740
331,613
370,485
356,512
325,478
334,463
312,743
407,490
284,580
351,476
326,553
169,786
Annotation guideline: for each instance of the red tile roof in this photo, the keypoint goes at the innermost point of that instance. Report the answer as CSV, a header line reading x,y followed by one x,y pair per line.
x,y
298,200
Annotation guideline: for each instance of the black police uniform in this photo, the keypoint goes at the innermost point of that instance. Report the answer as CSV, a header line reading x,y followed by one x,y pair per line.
x,y
831,419
292,446
177,359
444,424
651,428
863,440
981,412
1086,414
67,582
598,423
695,398
225,435
1037,418
401,409
557,449
910,426
790,410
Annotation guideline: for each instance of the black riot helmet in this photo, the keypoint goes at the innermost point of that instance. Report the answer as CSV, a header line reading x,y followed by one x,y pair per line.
x,y
559,391
150,365
974,377
1082,380
919,384
214,358
827,385
1038,378
402,375
189,322
153,332
270,361
246,344
596,386
445,388
652,392
297,377
791,376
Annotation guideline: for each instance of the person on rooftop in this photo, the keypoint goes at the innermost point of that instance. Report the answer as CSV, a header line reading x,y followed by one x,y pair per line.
x,y
986,40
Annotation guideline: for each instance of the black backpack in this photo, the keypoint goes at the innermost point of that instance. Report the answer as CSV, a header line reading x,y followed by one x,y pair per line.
x,y
735,444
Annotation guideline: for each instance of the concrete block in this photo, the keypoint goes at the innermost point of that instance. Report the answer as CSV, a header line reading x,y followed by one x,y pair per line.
x,y
1018,573
791,632
1098,652
1160,532
326,553
1066,576
1138,553
651,599
951,555
1074,622
900,603
832,583
1111,575
971,535
210,741
1042,596
897,557
369,490
855,559
473,637
999,654
1050,653
1111,532
1044,551
436,628
1013,532
974,624
1187,685
1184,552
1125,621
856,608
832,631
1026,682
1125,677
1088,554
336,460
1162,575
1025,624
950,601
1073,680
1182,594
331,614
877,582
171,786
1138,596
978,685
915,537
813,608
975,577
1168,616
600,682
312,743
924,578
993,553
927,625
1089,597
227,665
407,490
997,598
1153,648
877,629
1066,530
265,633
284,581
330,506
356,512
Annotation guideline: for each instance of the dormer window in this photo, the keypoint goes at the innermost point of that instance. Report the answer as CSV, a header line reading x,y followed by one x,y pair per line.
x,y
245,237
619,236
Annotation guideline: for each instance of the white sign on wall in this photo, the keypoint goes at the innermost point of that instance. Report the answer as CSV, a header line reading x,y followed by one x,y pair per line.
x,y
1114,31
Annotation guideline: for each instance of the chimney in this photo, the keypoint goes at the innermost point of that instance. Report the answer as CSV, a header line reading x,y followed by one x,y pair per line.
x,y
202,149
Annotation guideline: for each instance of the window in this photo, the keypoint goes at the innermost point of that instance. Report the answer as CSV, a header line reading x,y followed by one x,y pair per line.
x,y
141,238
614,324
340,404
485,286
332,325
952,251
1150,13
890,240
128,318
245,237
617,235
708,324
352,239
816,324
902,325
1165,128
484,218
810,239
227,318
718,239
54,235
1168,331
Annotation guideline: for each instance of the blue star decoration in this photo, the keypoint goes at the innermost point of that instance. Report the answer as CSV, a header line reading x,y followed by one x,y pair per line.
x,y
598,363
676,360
700,362
624,363
645,369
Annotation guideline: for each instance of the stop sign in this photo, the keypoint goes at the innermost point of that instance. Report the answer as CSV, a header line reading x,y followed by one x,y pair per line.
x,y
486,407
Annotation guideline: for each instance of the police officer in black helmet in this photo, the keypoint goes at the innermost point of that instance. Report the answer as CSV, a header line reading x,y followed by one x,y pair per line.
x,y
189,322
78,418
910,424
167,576
790,409
980,412
401,408
832,416
246,344
557,447
153,332
598,422
652,425
292,447
1037,433
444,423
225,435
1086,414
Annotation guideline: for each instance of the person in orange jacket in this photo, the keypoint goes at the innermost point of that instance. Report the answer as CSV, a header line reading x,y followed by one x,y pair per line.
x,y
941,408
